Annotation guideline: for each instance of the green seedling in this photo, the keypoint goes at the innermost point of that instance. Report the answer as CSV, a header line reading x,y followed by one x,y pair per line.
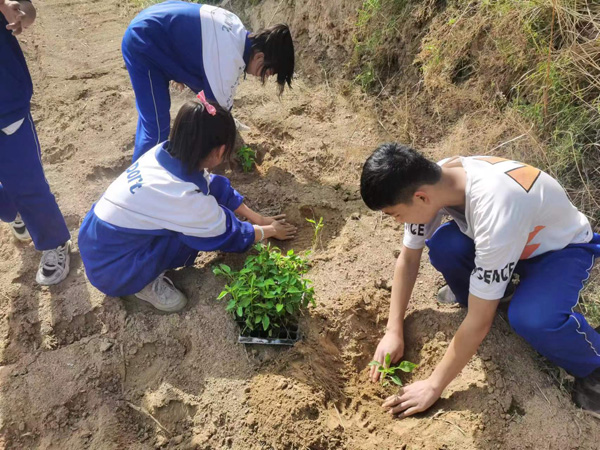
x,y
247,158
269,291
388,371
317,226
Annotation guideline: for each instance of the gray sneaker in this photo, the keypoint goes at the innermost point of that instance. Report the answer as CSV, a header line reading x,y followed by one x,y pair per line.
x,y
163,295
586,392
19,229
445,294
54,265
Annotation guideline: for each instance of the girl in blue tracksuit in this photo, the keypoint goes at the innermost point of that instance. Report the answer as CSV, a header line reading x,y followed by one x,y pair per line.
x,y
201,46
25,198
167,207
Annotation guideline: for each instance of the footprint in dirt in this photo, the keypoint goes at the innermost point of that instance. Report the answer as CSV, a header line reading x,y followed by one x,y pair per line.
x,y
58,154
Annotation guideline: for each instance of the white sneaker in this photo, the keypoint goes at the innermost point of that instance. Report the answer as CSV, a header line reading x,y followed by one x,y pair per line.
x,y
19,229
445,294
240,126
54,265
163,295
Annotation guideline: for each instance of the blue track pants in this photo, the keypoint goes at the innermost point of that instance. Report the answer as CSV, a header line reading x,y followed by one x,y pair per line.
x,y
24,189
152,100
541,311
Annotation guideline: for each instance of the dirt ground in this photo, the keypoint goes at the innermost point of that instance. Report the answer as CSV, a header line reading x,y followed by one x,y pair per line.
x,y
77,366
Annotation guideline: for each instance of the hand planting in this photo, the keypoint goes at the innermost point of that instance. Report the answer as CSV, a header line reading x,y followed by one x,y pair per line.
x,y
387,371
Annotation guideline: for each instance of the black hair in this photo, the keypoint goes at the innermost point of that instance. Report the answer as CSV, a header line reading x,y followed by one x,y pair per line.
x,y
276,43
393,173
196,133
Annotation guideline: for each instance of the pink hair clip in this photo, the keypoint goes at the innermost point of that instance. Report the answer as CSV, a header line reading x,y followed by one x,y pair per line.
x,y
209,108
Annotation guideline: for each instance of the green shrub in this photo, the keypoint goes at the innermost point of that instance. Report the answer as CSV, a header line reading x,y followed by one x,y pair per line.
x,y
269,291
247,158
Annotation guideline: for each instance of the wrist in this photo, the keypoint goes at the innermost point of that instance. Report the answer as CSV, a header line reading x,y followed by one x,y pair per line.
x,y
397,327
436,384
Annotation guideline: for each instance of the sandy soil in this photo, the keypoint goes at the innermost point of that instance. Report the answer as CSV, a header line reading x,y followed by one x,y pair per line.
x,y
73,361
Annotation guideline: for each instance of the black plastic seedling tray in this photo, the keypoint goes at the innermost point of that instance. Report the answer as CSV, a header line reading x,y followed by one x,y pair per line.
x,y
286,336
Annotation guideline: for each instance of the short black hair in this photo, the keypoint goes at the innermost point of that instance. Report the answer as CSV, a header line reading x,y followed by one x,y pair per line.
x,y
393,173
196,133
277,45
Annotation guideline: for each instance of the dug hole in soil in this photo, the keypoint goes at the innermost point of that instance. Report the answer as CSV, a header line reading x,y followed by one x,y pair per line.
x,y
82,370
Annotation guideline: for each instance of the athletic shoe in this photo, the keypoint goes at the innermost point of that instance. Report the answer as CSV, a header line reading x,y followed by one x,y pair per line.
x,y
54,265
445,294
19,229
163,295
240,126
586,392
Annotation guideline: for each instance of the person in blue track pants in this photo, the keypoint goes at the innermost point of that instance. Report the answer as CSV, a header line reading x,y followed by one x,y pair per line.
x,y
26,202
200,46
167,207
507,218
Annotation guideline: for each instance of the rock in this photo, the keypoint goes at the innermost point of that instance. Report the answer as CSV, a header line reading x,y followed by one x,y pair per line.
x,y
105,346
22,426
283,384
177,439
355,216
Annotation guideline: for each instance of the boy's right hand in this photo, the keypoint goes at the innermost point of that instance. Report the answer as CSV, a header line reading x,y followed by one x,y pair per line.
x,y
392,343
283,230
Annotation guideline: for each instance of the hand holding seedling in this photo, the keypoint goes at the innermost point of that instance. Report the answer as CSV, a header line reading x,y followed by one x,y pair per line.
x,y
388,371
391,344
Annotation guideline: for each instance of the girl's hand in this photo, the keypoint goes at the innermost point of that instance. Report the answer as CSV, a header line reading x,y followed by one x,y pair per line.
x,y
269,220
283,230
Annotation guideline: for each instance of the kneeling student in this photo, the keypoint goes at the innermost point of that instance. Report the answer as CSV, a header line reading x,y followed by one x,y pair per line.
x,y
508,217
167,207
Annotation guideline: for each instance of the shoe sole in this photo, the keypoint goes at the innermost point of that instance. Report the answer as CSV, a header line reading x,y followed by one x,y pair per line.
x,y
25,237
172,309
65,272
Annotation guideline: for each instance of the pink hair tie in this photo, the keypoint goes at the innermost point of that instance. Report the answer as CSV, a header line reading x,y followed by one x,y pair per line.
x,y
209,108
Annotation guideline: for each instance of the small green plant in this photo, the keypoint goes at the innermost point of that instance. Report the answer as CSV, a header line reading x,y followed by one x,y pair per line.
x,y
317,226
387,371
269,291
247,158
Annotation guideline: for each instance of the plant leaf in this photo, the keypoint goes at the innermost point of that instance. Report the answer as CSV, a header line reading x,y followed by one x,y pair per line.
x,y
388,359
265,322
396,380
374,363
240,311
279,307
407,366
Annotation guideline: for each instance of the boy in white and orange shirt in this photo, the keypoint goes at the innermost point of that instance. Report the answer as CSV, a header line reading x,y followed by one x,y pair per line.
x,y
508,217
